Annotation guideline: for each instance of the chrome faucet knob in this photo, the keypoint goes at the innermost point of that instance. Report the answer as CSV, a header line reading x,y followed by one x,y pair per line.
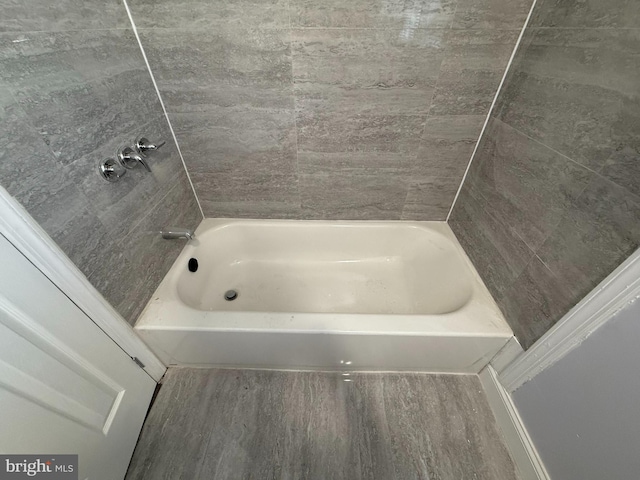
x,y
129,158
111,170
144,145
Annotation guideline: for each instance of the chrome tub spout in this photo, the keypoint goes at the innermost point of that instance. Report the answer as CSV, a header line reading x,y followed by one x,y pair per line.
x,y
172,233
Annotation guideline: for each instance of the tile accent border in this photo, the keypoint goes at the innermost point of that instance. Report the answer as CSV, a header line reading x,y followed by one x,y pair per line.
x,y
520,446
493,104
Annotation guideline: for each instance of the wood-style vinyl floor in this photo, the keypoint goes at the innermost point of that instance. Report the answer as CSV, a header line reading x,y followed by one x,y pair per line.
x,y
251,424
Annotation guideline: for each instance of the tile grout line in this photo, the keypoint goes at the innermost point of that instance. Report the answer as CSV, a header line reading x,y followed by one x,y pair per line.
x,y
506,225
542,144
148,212
164,109
453,17
10,90
295,109
597,173
575,162
493,104
132,133
427,114
406,198
297,27
103,29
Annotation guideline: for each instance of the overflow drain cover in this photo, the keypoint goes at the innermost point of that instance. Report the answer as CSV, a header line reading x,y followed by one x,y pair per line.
x,y
230,295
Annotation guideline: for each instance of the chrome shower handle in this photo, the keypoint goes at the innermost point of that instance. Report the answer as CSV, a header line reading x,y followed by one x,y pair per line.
x,y
143,145
111,170
129,158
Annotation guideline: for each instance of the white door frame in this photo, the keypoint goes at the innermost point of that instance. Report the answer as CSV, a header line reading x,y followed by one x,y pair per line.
x,y
34,243
600,305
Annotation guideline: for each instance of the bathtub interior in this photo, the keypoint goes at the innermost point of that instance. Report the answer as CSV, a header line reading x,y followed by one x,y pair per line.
x,y
313,295
307,267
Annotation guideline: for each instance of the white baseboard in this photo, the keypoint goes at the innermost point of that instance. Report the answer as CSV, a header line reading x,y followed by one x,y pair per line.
x,y
522,450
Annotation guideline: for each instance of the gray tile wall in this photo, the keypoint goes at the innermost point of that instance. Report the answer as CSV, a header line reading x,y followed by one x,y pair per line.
x,y
73,88
552,202
367,109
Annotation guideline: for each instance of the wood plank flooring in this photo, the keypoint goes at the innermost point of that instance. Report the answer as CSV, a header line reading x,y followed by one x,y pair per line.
x,y
251,424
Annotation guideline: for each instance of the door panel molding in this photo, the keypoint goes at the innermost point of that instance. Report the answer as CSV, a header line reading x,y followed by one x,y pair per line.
x,y
29,387
34,243
65,385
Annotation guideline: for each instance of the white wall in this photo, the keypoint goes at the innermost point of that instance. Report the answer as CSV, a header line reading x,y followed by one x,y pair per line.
x,y
583,413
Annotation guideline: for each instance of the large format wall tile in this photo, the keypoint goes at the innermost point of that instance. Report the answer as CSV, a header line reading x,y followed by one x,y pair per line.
x,y
576,91
138,191
537,298
177,208
611,14
26,163
335,196
406,15
474,64
266,187
79,118
598,232
521,198
430,197
54,59
80,89
366,71
370,163
491,14
41,15
551,204
497,252
526,182
196,69
270,97
334,133
229,97
362,91
447,144
237,141
249,208
72,97
207,14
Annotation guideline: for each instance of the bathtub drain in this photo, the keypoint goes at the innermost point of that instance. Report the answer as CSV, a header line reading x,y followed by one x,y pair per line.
x,y
230,295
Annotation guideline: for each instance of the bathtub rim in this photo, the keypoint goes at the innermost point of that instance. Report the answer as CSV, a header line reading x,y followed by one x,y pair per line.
x,y
480,316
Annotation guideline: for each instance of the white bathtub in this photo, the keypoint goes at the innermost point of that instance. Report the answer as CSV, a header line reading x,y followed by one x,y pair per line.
x,y
325,295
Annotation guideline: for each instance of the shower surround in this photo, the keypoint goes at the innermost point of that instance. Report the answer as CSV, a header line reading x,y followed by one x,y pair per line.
x,y
551,204
359,110
283,109
328,110
73,88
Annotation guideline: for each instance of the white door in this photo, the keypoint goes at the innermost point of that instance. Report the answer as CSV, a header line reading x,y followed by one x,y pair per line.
x,y
65,386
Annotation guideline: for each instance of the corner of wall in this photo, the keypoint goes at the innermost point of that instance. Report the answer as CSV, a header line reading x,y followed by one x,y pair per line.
x,y
491,108
519,443
164,109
